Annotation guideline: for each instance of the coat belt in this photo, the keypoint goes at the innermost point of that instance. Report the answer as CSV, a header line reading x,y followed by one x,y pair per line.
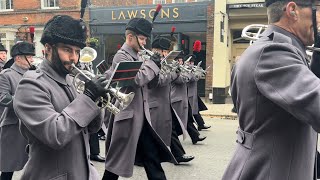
x,y
245,138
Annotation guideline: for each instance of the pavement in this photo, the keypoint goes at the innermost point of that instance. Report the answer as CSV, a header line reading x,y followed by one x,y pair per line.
x,y
221,111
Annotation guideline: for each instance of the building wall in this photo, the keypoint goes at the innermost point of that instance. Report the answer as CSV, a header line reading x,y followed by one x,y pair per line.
x,y
243,1
30,13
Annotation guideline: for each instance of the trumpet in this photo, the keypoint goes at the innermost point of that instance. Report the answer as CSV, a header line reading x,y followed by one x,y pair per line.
x,y
79,83
83,75
165,67
249,33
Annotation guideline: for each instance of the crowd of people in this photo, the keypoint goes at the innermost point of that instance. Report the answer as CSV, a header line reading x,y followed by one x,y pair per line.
x,y
275,91
48,128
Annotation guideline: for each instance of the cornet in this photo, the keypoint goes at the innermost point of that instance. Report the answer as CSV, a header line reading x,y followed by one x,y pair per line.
x,y
82,75
249,34
165,67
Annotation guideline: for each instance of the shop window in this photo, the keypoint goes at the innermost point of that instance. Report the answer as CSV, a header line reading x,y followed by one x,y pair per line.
x,y
6,5
50,4
159,1
179,1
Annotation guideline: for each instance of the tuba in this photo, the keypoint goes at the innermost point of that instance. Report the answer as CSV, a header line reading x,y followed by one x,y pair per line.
x,y
252,32
88,55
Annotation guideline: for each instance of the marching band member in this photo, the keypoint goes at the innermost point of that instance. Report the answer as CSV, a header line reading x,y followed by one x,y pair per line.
x,y
192,103
3,56
161,113
131,136
12,144
277,98
55,119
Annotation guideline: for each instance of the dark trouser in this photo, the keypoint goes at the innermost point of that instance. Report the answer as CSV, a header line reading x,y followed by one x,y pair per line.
x,y
109,176
148,151
176,146
94,144
6,175
199,119
192,130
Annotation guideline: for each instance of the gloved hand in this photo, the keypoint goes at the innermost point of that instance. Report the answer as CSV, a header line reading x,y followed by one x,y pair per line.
x,y
156,58
95,88
178,70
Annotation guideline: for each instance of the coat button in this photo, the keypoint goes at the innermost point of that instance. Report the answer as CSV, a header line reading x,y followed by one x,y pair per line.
x,y
38,71
240,137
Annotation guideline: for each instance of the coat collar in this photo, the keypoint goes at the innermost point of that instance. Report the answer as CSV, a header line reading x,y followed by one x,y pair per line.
x,y
294,39
2,64
125,47
46,67
18,69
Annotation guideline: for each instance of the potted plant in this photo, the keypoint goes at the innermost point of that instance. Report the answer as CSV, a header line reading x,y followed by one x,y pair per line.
x,y
93,42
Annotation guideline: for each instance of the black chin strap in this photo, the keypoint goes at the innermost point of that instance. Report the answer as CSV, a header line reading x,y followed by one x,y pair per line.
x,y
138,42
31,66
315,26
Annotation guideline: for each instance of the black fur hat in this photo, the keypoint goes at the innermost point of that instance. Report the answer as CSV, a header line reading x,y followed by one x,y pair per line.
x,y
140,26
180,55
2,48
193,57
22,48
65,29
161,43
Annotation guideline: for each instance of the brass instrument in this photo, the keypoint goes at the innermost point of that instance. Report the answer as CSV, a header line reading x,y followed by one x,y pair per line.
x,y
247,33
166,68
82,75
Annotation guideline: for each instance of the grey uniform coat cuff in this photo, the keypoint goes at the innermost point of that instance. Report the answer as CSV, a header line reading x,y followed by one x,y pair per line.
x,y
82,118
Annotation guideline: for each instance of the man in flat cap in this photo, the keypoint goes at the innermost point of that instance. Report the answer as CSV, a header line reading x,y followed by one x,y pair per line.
x,y
3,56
277,98
12,144
55,119
131,137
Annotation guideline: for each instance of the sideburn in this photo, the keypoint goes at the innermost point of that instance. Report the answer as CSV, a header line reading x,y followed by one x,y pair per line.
x,y
56,62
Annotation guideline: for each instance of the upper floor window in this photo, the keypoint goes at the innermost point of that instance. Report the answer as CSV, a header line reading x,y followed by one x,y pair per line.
x,y
179,1
159,1
50,4
6,5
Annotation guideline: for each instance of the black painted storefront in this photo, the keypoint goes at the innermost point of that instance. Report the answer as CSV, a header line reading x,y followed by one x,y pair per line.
x,y
108,22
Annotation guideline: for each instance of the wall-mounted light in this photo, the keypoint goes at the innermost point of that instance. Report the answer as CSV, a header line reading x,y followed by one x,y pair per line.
x,y
25,19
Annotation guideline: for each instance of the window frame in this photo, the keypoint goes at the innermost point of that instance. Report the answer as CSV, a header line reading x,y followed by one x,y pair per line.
x,y
43,7
165,1
11,9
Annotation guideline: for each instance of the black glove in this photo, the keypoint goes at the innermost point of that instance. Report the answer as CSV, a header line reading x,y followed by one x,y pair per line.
x,y
178,70
156,58
96,87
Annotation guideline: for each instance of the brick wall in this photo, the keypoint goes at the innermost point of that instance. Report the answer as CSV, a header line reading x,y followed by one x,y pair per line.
x,y
37,16
210,41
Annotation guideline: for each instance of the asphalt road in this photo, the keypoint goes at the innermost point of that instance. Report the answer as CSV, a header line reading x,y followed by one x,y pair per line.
x,y
211,155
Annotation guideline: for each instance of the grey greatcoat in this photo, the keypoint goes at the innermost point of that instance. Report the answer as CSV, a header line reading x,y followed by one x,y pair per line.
x,y
277,98
12,144
2,63
161,111
125,128
56,126
179,98
193,93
